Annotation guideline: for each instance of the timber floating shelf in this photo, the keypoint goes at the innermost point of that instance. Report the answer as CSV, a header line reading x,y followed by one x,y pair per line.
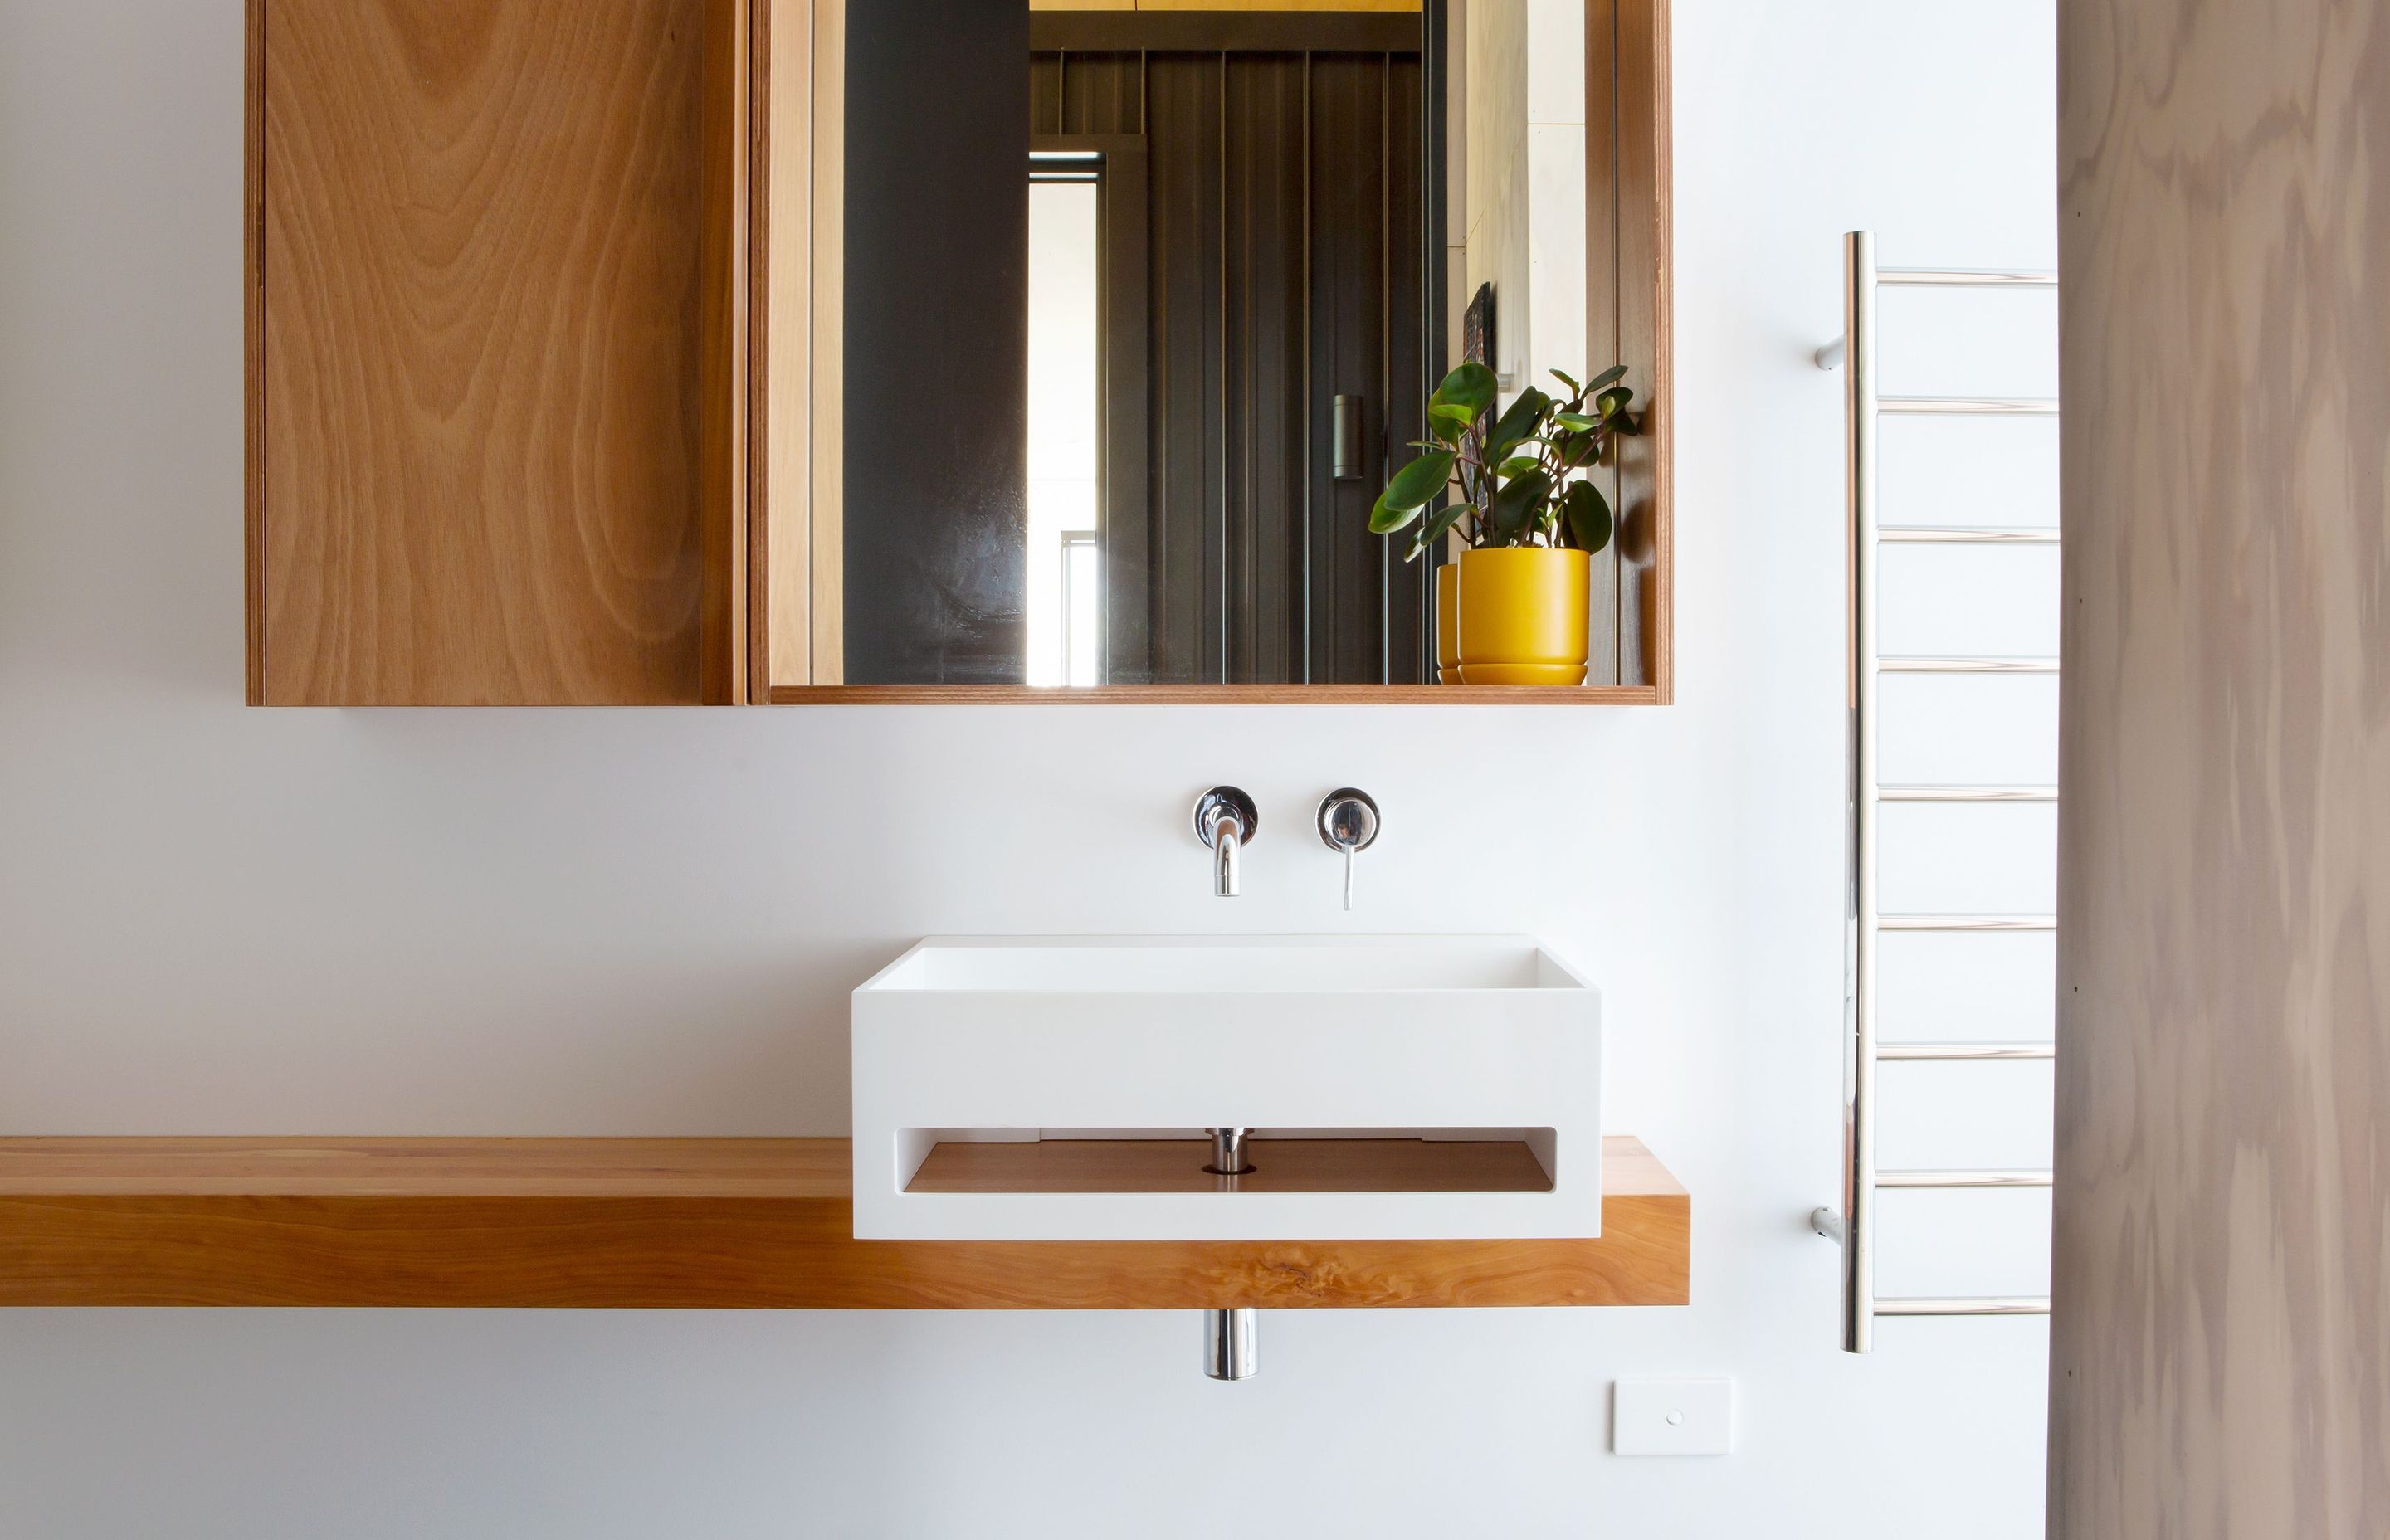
x,y
698,1224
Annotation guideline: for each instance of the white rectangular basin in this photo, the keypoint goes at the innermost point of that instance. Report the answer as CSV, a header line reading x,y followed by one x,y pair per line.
x,y
1445,1039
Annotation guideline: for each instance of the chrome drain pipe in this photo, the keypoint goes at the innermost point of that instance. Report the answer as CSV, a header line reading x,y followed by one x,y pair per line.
x,y
1228,1154
1230,1350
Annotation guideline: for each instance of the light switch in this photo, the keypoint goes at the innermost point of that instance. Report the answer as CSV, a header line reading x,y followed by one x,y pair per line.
x,y
1672,1417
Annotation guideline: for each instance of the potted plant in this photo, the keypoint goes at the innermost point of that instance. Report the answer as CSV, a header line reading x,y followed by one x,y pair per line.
x,y
1513,610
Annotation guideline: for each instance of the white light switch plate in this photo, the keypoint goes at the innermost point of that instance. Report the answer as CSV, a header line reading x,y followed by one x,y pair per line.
x,y
1672,1417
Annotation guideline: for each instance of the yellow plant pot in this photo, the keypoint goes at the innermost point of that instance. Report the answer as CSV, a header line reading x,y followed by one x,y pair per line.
x,y
1523,615
1447,624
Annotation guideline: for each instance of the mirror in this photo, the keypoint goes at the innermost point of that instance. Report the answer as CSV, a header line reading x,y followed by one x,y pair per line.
x,y
1144,306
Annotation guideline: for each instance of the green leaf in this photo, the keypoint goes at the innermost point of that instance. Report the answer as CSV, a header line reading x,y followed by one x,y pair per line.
x,y
1516,503
1517,424
1609,376
1413,487
1449,424
1517,465
1576,420
1574,387
1588,515
1611,403
1432,534
1386,521
1469,386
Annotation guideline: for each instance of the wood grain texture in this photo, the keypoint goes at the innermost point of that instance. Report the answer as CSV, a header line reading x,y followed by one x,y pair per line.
x,y
252,241
827,471
1603,281
762,188
2221,1343
722,392
696,1223
495,375
780,315
1646,344
1053,1164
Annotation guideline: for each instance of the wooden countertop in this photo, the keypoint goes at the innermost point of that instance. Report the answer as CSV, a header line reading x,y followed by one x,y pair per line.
x,y
697,1224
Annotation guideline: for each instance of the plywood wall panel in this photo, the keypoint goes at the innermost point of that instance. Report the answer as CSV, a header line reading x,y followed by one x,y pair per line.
x,y
2220,1358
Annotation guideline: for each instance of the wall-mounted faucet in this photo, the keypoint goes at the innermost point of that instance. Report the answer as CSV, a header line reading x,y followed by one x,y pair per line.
x,y
1348,822
1225,820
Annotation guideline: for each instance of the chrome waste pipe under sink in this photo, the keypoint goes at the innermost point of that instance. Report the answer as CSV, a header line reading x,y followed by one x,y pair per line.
x,y
1230,1347
1229,1157
1230,1350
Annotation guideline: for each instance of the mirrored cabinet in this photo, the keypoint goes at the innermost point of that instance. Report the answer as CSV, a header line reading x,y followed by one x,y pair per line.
x,y
630,352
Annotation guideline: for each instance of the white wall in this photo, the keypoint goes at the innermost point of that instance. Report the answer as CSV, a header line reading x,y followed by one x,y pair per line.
x,y
1521,81
215,919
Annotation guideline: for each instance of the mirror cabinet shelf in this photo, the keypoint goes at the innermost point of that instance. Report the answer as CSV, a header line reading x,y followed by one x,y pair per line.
x,y
798,352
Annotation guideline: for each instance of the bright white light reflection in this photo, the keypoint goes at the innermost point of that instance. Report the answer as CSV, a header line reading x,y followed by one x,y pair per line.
x,y
1063,570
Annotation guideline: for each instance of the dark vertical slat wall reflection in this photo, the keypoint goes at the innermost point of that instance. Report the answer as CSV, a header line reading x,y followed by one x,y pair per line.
x,y
1285,267
937,350
1264,450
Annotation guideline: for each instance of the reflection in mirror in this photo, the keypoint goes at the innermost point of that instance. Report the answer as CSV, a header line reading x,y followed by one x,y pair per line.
x,y
1065,590
1138,327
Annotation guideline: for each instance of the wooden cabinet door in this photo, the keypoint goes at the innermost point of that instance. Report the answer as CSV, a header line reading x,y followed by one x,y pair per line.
x,y
497,351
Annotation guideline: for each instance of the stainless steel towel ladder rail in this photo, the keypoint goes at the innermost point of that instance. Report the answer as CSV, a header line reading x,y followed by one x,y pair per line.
x,y
1853,1226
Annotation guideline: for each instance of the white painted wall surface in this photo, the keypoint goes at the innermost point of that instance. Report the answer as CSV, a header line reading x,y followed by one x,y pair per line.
x,y
215,919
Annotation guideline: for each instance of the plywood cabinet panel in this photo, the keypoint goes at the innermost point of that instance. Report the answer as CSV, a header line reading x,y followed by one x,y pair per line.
x,y
496,393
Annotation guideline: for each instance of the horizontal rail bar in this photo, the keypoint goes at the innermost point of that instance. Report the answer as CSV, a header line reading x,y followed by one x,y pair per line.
x,y
1962,1179
1964,534
1962,1305
1967,922
1919,1052
1968,277
1967,666
1967,793
1969,407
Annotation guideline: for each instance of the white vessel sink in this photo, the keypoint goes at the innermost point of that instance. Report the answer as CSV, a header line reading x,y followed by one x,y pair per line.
x,y
1444,1087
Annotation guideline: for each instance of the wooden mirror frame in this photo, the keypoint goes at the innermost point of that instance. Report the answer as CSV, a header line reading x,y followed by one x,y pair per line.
x,y
795,498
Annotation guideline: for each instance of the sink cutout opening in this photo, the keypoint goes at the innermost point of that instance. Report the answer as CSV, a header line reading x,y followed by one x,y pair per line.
x,y
1065,1160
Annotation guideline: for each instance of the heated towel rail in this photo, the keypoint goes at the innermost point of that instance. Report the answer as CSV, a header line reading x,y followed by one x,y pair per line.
x,y
1853,1224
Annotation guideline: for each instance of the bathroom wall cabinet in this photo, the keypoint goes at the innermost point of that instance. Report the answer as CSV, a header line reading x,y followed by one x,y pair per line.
x,y
545,368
